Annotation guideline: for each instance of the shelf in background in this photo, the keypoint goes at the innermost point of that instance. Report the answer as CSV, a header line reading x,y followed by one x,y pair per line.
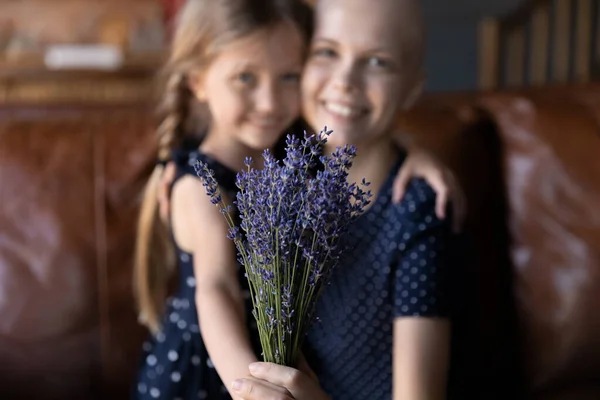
x,y
26,80
33,66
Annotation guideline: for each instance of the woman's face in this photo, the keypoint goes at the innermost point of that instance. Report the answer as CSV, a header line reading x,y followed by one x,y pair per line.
x,y
355,79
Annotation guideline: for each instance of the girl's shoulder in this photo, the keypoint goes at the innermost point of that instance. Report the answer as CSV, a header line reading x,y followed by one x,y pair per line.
x,y
194,218
186,159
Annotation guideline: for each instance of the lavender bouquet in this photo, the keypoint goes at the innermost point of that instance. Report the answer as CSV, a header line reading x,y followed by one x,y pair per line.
x,y
292,215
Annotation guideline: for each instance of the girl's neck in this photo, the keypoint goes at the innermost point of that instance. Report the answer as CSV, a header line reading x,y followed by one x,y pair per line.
x,y
228,152
373,162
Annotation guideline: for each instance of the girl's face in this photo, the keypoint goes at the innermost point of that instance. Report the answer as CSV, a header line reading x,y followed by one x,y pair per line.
x,y
356,80
251,88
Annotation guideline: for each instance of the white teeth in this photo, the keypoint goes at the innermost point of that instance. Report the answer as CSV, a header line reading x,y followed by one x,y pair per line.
x,y
341,110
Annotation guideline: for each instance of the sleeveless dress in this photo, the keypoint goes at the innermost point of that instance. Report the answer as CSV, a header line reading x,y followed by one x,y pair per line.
x,y
396,266
175,363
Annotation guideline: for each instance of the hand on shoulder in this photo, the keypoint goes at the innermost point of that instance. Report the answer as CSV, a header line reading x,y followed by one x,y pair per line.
x,y
422,164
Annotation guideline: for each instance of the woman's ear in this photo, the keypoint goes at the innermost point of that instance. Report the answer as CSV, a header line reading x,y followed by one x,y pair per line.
x,y
195,82
415,92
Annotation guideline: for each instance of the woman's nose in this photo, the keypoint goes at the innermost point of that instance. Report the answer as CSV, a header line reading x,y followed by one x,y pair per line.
x,y
345,77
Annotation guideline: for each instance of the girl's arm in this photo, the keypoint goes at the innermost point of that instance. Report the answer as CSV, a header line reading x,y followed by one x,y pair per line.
x,y
198,224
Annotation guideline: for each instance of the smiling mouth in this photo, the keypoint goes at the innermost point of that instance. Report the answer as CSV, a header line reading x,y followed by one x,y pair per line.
x,y
343,111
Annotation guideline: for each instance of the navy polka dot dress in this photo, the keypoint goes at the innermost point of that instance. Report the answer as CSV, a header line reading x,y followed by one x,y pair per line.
x,y
175,363
395,267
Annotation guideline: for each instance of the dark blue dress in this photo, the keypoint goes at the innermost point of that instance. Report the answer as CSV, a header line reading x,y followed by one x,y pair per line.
x,y
175,363
395,267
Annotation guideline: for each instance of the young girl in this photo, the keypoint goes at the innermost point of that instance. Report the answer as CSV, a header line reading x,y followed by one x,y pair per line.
x,y
384,330
238,62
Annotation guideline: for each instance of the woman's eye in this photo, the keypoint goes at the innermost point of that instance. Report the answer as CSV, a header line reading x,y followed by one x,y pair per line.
x,y
378,62
246,78
324,52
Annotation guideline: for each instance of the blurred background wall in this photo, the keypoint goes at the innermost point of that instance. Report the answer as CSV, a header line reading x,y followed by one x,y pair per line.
x,y
28,25
452,52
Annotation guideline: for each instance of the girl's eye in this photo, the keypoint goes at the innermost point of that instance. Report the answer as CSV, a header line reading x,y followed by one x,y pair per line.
x,y
246,78
291,77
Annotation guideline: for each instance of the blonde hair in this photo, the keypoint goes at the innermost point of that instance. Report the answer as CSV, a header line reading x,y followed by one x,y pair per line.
x,y
202,28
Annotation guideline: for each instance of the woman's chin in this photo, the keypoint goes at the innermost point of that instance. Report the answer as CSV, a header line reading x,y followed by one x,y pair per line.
x,y
338,139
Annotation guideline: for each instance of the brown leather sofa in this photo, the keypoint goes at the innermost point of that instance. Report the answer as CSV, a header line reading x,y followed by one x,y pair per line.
x,y
528,297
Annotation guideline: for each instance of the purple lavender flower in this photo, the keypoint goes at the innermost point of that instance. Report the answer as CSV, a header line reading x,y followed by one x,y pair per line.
x,y
292,216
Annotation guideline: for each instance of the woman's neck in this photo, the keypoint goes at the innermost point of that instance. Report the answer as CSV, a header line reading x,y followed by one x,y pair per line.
x,y
373,162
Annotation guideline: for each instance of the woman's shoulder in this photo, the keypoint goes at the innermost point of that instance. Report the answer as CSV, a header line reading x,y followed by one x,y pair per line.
x,y
419,197
419,192
418,205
